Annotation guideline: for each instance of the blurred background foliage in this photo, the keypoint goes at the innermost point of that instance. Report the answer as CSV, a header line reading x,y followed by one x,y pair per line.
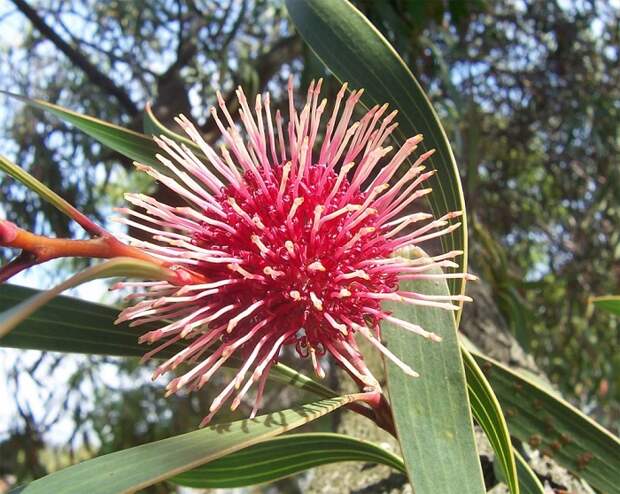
x,y
527,90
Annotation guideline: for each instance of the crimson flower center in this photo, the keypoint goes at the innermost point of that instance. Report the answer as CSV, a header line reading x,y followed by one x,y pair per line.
x,y
302,247
291,242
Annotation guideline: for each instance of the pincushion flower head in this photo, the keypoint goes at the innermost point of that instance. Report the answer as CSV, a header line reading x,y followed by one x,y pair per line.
x,y
290,234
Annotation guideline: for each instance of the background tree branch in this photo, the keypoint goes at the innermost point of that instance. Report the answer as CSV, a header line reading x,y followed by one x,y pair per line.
x,y
98,78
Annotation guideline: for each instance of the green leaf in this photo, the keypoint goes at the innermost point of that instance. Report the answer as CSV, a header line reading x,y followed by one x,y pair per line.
x,y
134,145
120,266
354,50
131,469
71,325
432,412
528,481
47,194
488,414
610,303
286,375
558,429
284,456
153,126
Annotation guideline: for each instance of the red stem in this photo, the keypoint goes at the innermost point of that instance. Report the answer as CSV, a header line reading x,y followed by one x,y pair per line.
x,y
378,409
45,248
37,249
21,262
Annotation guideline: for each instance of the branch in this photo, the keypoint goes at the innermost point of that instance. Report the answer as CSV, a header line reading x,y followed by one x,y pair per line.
x,y
77,58
185,52
267,64
23,261
37,249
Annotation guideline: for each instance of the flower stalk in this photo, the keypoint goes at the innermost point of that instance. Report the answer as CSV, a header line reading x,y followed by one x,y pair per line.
x,y
37,249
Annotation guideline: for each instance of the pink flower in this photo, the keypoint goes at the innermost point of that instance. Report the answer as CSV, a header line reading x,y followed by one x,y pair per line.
x,y
295,243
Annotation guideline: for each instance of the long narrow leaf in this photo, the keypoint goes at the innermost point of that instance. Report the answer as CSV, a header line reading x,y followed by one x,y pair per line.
x,y
153,126
284,456
352,48
120,266
71,325
47,194
129,143
432,412
136,468
555,427
528,481
488,414
610,303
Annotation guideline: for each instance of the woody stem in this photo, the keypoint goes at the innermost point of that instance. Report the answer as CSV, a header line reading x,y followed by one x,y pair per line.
x,y
37,249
